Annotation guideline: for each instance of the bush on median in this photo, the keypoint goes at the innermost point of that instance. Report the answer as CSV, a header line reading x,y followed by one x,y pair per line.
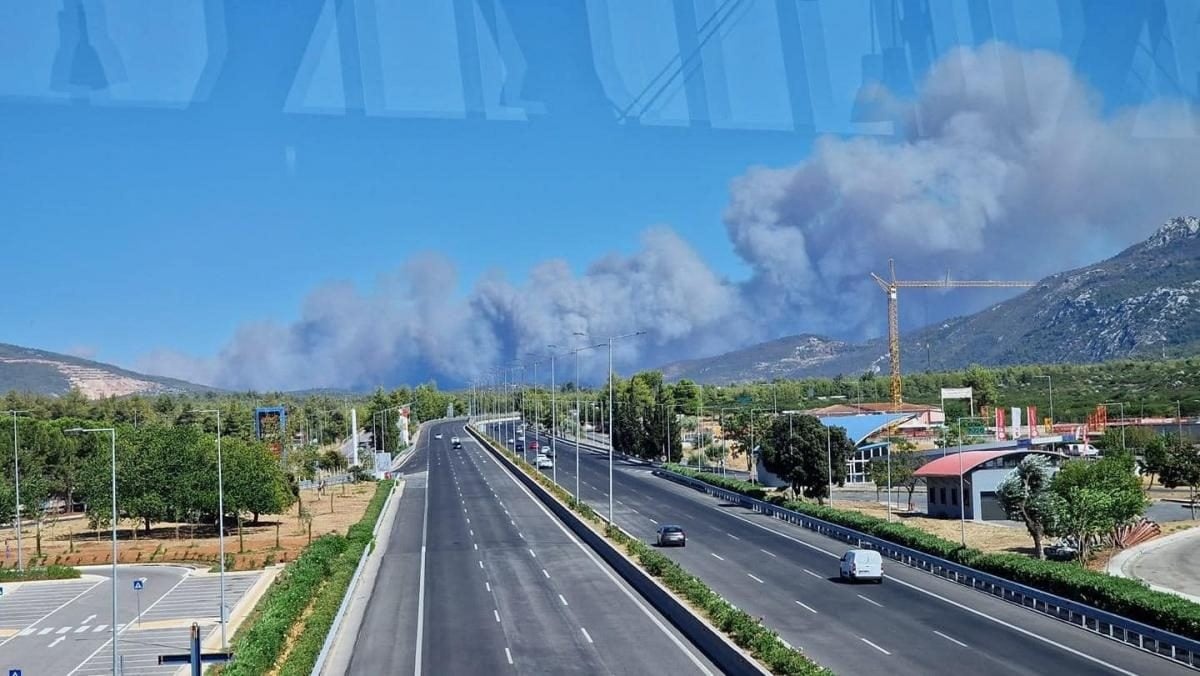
x,y
748,633
1122,596
35,573
260,644
307,646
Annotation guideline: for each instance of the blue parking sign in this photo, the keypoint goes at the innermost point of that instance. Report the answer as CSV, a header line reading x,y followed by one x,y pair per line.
x,y
138,584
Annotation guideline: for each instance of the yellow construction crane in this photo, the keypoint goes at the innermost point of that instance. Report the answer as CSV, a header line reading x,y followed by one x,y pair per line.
x,y
890,288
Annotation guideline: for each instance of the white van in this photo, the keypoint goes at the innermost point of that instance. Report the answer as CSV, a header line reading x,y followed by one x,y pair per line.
x,y
861,564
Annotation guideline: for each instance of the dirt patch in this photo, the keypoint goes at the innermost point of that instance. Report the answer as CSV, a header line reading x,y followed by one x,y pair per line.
x,y
982,536
69,541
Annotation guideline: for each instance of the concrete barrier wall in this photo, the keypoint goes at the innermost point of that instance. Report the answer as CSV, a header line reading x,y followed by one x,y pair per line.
x,y
720,650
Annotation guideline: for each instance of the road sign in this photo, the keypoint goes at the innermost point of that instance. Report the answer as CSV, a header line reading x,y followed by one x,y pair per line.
x,y
14,672
139,584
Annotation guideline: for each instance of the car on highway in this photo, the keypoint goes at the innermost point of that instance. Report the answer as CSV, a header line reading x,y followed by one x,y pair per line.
x,y
455,442
437,435
861,564
670,534
533,444
520,445
544,463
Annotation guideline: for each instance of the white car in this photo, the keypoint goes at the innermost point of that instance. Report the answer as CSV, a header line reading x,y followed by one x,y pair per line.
x,y
544,463
455,442
861,564
437,436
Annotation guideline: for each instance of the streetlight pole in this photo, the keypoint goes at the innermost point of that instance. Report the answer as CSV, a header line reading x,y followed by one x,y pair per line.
x,y
553,416
829,460
612,427
17,485
113,437
220,518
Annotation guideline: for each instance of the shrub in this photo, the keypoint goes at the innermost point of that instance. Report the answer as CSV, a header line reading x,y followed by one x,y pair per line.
x,y
51,572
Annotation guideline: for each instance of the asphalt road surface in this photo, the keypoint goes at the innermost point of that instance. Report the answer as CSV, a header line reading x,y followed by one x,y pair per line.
x,y
64,627
913,623
479,578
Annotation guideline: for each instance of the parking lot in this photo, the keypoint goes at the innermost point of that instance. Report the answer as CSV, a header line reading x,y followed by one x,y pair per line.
x,y
64,628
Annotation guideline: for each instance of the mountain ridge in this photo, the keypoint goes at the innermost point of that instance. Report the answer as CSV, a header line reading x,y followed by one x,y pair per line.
x,y
1143,301
30,370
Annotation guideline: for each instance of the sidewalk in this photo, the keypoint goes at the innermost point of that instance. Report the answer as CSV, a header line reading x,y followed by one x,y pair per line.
x,y
1165,563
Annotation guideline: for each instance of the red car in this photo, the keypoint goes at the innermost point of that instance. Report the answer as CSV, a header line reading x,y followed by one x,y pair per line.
x,y
533,444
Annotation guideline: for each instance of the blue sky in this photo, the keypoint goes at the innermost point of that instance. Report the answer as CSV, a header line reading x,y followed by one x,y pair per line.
x,y
176,171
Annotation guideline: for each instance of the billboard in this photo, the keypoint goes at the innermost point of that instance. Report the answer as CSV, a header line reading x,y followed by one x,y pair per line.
x,y
270,425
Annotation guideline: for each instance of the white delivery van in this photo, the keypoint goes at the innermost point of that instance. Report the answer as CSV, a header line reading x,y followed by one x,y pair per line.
x,y
861,564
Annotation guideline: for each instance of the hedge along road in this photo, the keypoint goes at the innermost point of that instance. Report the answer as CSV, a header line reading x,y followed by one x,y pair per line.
x,y
54,627
491,582
913,623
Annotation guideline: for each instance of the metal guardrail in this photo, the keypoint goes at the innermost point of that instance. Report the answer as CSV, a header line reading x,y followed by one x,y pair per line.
x,y
1180,649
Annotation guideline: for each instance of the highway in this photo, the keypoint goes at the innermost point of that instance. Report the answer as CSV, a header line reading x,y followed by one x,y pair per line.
x,y
479,578
913,623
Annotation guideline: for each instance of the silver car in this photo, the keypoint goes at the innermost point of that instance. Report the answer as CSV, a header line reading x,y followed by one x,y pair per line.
x,y
669,535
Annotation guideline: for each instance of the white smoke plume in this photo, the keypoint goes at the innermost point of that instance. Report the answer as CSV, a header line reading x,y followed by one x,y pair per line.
x,y
1007,168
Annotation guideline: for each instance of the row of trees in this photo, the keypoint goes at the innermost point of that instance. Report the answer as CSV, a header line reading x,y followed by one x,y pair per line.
x,y
1082,501
164,473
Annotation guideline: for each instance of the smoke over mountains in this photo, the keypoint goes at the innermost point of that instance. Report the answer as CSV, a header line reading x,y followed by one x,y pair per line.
x,y
1005,167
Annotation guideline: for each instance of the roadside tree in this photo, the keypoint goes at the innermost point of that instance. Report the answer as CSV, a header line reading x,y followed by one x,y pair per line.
x,y
797,450
1094,497
1026,496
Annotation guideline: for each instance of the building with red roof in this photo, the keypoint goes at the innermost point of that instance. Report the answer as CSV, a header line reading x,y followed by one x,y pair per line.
x,y
981,473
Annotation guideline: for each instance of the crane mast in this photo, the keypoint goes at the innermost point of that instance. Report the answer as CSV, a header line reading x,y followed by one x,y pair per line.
x,y
891,288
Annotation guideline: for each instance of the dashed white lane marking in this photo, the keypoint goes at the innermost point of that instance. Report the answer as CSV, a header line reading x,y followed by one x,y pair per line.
x,y
755,578
563,599
481,565
806,606
532,553
586,635
508,654
58,640
489,587
497,614
873,646
476,545
950,639
717,556
766,552
813,574
872,602
733,536
545,573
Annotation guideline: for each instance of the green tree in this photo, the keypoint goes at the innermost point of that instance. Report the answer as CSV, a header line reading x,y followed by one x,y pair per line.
x,y
801,451
254,481
1094,497
1025,495
1181,468
1154,458
983,383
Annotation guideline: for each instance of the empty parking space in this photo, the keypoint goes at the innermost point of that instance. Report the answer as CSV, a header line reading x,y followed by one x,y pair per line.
x,y
138,654
197,598
30,602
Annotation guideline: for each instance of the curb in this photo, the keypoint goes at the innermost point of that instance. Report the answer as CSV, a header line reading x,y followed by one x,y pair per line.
x,y
1127,557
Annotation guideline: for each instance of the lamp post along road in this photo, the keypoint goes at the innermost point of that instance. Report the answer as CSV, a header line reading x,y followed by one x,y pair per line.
x,y
113,437
220,519
17,486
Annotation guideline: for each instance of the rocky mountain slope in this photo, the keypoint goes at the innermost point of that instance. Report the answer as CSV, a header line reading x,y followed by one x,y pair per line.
x,y
37,371
1144,301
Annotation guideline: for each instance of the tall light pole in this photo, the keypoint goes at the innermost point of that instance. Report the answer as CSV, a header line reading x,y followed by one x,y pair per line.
x,y
220,516
829,460
113,437
611,426
553,415
17,485
962,498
